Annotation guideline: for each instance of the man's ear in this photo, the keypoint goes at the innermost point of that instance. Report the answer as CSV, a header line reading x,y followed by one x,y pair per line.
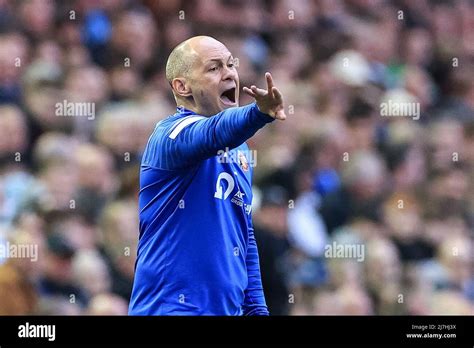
x,y
180,87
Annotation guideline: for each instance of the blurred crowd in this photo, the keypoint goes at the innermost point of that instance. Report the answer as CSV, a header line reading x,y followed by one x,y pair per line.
x,y
337,173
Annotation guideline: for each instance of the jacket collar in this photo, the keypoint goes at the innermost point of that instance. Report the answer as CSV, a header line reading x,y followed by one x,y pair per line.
x,y
183,111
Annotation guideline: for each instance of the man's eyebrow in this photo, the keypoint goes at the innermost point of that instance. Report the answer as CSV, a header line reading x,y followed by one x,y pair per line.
x,y
219,59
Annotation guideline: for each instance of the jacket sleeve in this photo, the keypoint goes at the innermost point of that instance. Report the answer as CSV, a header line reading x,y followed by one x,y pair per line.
x,y
195,138
254,301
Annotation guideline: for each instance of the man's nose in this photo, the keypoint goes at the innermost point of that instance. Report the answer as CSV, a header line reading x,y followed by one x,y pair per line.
x,y
229,73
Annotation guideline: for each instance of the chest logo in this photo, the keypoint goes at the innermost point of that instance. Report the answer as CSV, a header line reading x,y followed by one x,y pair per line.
x,y
230,185
223,191
243,163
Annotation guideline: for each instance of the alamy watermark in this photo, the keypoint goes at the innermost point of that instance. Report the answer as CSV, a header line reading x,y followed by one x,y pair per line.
x,y
404,109
68,108
345,251
19,251
28,330
244,158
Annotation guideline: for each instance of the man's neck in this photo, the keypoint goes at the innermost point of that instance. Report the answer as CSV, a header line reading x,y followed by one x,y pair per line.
x,y
187,106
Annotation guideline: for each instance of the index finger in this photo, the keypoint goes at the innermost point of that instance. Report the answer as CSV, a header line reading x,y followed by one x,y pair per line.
x,y
269,78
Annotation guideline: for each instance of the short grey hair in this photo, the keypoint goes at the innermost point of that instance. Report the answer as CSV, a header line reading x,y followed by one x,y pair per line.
x,y
179,62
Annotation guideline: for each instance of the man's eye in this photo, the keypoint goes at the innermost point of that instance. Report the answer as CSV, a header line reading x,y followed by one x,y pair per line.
x,y
230,65
213,68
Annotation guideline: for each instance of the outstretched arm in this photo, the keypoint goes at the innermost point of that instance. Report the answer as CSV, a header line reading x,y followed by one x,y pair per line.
x,y
196,138
269,101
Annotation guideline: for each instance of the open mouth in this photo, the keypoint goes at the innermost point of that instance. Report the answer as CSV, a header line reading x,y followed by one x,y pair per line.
x,y
228,97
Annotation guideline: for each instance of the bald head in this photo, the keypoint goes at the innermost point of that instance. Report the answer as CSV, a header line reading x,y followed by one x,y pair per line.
x,y
179,61
183,56
202,75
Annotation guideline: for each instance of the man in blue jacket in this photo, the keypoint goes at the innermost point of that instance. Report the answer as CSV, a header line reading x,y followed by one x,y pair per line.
x,y
197,253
